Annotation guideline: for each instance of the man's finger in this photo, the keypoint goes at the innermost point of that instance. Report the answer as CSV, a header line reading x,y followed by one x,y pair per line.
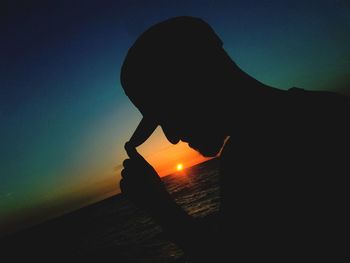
x,y
123,173
126,163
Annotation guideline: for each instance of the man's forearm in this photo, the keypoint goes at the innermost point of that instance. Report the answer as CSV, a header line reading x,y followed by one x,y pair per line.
x,y
184,230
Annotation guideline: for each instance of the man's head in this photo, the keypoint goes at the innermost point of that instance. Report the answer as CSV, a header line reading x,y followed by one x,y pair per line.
x,y
174,74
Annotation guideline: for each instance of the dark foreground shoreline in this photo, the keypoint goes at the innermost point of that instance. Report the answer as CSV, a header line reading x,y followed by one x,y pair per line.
x,y
116,228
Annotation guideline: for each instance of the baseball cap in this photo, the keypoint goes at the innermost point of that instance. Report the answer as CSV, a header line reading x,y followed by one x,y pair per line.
x,y
143,131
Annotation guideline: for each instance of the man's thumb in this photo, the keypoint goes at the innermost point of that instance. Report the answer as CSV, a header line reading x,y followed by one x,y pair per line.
x,y
131,151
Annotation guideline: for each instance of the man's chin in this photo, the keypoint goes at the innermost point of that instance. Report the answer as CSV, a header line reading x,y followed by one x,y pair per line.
x,y
208,147
207,151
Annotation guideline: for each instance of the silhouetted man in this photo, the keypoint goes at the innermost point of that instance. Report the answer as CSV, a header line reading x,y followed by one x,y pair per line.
x,y
284,170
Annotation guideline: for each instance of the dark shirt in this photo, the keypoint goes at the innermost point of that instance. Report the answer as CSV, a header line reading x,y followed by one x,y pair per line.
x,y
284,179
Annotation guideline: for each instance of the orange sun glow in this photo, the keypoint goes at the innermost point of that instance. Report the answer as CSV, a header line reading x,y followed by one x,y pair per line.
x,y
179,167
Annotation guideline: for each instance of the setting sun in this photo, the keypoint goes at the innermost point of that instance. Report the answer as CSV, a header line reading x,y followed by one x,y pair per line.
x,y
179,167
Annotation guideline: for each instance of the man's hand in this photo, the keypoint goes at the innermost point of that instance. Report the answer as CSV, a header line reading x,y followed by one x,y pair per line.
x,y
141,183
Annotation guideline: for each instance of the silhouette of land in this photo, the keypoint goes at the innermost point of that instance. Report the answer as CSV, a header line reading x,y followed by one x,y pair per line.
x,y
115,227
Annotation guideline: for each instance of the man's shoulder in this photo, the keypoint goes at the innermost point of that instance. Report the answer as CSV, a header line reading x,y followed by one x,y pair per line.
x,y
319,106
319,97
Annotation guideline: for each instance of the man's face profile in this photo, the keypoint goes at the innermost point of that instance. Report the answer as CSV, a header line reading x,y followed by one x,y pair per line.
x,y
200,133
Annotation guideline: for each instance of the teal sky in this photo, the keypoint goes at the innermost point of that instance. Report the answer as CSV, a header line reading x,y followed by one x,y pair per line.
x,y
64,116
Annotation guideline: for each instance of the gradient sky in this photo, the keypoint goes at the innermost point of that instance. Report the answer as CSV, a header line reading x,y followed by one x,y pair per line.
x,y
65,118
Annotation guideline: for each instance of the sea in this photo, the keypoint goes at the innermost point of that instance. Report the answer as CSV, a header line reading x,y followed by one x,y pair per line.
x,y
116,227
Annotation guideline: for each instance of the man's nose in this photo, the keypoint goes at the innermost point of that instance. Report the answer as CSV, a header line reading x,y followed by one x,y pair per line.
x,y
170,134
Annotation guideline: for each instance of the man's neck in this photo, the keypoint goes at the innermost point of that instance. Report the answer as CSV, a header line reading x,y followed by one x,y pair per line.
x,y
253,102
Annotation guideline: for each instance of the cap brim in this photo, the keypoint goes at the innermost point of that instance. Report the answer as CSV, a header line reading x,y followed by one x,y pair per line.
x,y
143,131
